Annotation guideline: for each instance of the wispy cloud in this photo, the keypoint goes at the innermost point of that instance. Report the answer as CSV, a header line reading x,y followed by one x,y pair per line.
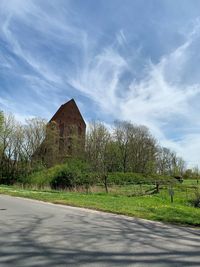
x,y
99,78
121,38
50,51
155,100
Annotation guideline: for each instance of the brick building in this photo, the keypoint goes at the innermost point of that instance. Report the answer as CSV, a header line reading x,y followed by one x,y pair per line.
x,y
69,121
65,135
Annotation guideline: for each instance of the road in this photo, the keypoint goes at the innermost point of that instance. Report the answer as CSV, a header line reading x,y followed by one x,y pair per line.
x,y
33,233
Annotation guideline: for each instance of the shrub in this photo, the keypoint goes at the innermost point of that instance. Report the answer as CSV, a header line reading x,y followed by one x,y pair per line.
x,y
71,174
63,179
76,173
195,202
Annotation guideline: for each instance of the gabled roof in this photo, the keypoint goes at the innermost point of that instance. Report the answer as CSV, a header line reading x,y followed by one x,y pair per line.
x,y
64,106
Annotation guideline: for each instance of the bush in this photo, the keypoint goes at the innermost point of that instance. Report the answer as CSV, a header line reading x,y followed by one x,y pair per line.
x,y
63,179
195,202
69,175
76,173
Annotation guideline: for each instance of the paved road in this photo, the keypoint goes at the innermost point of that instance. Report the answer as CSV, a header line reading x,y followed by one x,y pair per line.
x,y
34,234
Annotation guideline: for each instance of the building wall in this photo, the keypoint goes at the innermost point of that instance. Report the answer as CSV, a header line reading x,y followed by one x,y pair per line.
x,y
65,136
70,125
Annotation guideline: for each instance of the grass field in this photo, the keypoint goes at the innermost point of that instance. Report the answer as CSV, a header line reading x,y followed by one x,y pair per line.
x,y
154,207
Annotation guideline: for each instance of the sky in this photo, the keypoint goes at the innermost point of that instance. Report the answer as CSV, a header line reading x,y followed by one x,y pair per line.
x,y
133,60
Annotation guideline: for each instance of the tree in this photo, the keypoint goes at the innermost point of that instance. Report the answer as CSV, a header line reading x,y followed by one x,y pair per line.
x,y
123,133
1,120
18,145
1,129
11,139
34,136
192,174
168,163
98,150
196,173
142,151
137,147
48,152
1,141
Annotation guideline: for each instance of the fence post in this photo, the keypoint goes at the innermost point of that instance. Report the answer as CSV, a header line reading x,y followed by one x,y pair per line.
x,y
171,193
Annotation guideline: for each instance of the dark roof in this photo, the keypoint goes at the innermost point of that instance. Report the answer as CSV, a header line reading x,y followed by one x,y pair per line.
x,y
64,106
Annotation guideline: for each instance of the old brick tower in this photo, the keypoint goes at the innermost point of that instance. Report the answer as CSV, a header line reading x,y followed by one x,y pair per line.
x,y
65,135
69,119
70,124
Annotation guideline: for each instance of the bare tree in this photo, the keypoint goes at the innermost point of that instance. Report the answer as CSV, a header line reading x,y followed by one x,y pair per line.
x,y
168,163
142,151
123,133
11,139
137,147
34,135
97,149
48,152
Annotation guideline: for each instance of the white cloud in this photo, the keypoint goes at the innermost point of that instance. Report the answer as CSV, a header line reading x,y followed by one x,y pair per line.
x,y
52,28
121,38
99,78
153,101
157,100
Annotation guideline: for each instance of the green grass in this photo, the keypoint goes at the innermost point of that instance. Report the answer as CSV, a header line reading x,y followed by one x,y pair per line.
x,y
190,182
154,207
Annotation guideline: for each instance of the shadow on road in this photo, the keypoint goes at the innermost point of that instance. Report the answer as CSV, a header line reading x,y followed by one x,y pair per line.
x,y
95,240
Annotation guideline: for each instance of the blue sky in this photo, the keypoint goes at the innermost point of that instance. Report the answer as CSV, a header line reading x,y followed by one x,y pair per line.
x,y
134,60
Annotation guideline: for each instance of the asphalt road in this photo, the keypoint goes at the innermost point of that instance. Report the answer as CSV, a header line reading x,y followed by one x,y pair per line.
x,y
34,233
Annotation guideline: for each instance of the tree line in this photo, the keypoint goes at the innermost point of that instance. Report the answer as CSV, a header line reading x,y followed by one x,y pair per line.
x,y
129,148
126,147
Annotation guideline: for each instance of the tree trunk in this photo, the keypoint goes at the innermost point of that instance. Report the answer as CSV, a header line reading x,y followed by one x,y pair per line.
x,y
105,183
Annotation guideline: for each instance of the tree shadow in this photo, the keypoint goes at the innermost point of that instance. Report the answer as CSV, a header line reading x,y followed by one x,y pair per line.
x,y
70,237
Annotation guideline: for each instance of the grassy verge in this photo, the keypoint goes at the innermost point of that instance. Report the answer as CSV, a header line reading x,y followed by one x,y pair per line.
x,y
153,207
